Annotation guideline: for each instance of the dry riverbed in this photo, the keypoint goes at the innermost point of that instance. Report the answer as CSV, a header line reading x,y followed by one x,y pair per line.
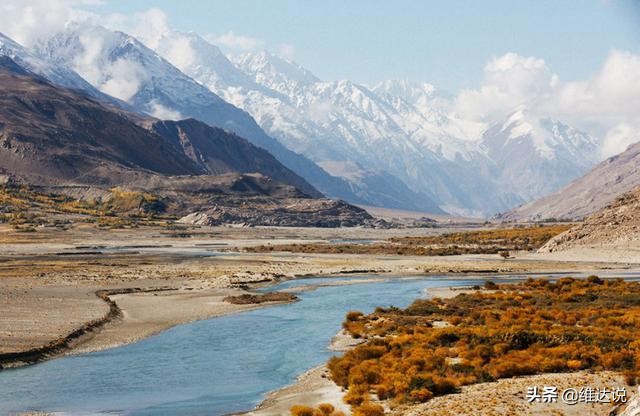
x,y
49,281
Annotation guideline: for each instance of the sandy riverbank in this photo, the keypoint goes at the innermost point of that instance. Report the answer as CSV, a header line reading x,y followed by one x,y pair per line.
x,y
508,397
48,282
311,388
45,296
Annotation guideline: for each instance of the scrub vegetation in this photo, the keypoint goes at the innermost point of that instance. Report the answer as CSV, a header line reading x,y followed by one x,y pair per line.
x,y
26,208
436,346
496,241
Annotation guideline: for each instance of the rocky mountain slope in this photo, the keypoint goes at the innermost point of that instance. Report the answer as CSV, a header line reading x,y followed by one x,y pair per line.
x,y
56,74
61,136
608,180
217,151
120,65
53,135
399,130
70,143
616,225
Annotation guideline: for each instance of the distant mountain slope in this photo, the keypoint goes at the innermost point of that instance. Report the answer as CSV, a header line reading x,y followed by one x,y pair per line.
x,y
54,135
608,180
534,157
118,64
217,152
56,74
617,224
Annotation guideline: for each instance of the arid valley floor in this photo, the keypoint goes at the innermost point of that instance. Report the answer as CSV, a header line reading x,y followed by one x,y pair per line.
x,y
85,289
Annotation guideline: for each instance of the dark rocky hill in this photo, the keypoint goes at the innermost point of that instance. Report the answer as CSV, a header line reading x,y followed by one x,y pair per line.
x,y
217,151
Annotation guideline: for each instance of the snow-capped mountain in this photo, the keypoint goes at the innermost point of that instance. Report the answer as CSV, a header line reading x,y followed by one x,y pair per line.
x,y
396,144
538,156
120,65
270,105
402,129
55,74
341,123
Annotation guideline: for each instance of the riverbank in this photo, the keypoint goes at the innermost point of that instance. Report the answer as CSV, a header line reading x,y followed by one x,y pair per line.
x,y
504,396
48,283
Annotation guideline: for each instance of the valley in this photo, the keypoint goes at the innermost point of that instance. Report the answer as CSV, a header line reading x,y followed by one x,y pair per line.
x,y
335,211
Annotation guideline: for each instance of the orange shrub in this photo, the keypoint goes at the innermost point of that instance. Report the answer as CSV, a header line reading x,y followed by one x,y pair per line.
x,y
369,409
302,411
525,328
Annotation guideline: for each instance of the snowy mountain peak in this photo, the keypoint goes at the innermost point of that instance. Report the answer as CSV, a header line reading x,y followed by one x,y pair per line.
x,y
518,124
549,138
203,61
400,130
56,74
407,90
275,72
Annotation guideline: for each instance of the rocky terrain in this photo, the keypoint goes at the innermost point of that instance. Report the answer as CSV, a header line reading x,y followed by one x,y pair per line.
x,y
123,67
71,144
609,179
616,225
270,212
218,152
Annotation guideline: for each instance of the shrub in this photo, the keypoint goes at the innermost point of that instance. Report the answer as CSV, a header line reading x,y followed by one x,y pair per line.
x,y
489,285
369,409
326,409
523,328
302,411
354,315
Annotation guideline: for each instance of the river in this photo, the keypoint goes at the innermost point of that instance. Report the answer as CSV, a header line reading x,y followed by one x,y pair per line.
x,y
211,367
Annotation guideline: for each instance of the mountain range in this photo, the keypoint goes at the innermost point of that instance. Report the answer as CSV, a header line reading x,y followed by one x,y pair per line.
x,y
398,130
118,64
68,142
396,144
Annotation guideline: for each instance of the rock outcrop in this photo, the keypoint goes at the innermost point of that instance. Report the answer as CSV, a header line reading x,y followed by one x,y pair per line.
x,y
618,224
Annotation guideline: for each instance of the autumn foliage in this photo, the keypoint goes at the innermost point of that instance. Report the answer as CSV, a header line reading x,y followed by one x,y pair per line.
x,y
532,327
496,241
324,409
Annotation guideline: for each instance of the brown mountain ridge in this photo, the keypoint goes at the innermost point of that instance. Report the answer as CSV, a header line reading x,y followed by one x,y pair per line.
x,y
64,140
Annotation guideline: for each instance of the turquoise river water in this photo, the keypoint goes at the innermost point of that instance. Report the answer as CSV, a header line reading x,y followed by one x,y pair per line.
x,y
211,367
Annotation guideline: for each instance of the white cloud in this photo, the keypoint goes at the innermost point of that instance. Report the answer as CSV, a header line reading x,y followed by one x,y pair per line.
x,y
605,105
612,96
151,27
510,81
618,139
164,113
123,80
235,42
178,50
86,63
27,21
287,51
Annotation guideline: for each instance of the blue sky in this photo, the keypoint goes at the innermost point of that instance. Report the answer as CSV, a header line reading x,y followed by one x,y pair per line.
x,y
446,43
